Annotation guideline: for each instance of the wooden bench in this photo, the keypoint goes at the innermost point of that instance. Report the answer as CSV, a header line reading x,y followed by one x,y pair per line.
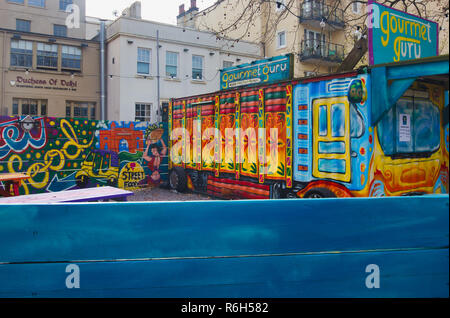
x,y
11,182
73,196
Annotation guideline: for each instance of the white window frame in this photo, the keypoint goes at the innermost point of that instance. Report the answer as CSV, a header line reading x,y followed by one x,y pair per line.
x,y
358,7
279,46
149,62
147,112
71,53
231,64
37,5
202,67
22,48
170,65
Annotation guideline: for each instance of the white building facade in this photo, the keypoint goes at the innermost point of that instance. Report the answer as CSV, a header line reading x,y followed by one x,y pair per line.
x,y
189,64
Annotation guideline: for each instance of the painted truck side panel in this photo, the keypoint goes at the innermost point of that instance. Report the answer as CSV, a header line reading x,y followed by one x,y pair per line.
x,y
326,144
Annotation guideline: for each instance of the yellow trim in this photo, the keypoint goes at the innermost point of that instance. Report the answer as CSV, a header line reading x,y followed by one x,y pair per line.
x,y
329,102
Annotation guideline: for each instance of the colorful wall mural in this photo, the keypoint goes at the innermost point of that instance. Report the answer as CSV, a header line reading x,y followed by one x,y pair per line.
x,y
62,154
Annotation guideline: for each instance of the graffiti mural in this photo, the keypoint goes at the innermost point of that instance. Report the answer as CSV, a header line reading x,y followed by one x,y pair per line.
x,y
61,154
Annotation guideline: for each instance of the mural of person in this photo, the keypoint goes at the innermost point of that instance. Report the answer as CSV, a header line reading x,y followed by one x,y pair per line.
x,y
158,149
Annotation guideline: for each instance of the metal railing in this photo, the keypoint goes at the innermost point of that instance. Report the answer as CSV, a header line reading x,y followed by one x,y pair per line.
x,y
328,51
319,10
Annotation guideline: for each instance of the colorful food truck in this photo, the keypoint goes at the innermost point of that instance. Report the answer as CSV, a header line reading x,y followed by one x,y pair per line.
x,y
379,131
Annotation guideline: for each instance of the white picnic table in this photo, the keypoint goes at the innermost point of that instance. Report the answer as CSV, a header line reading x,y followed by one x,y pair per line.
x,y
72,196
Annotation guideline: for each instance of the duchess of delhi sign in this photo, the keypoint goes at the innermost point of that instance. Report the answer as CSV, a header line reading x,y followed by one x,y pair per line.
x,y
53,83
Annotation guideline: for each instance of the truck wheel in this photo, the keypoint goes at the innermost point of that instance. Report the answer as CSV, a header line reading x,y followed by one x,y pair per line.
x,y
276,191
178,179
319,193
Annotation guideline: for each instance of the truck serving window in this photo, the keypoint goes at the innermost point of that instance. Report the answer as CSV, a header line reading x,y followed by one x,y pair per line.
x,y
411,128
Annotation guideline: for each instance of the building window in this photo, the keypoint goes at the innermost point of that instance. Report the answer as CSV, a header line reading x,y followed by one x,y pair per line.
x,y
44,109
17,1
71,58
143,61
37,3
15,108
227,64
47,55
356,7
197,67
64,3
59,30
23,25
281,39
85,110
143,112
32,107
172,64
21,53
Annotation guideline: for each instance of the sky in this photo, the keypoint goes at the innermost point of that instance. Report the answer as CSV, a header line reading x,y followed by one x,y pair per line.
x,y
164,11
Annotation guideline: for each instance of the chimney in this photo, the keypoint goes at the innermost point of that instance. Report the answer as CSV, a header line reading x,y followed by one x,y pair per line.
x,y
133,11
186,18
181,9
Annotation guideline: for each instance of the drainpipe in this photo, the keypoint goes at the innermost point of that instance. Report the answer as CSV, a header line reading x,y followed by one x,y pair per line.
x,y
102,72
158,76
3,107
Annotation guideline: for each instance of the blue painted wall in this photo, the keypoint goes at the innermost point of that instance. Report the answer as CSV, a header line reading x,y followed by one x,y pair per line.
x,y
288,248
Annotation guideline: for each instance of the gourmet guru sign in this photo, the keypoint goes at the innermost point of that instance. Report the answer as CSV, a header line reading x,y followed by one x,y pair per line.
x,y
259,72
396,36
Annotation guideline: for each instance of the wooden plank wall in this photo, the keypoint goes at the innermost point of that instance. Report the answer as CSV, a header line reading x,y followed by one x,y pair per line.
x,y
229,249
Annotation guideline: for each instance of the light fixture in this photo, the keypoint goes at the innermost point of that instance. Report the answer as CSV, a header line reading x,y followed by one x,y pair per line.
x,y
323,24
27,72
211,53
186,50
130,41
72,76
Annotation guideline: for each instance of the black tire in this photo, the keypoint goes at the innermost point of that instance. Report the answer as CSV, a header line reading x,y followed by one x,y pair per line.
x,y
178,179
82,181
276,191
318,193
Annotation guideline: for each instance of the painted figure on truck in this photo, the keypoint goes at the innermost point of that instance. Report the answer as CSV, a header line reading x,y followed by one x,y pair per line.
x,y
325,143
155,151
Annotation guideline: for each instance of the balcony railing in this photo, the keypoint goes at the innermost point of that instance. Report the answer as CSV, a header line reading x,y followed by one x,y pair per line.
x,y
318,11
320,50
